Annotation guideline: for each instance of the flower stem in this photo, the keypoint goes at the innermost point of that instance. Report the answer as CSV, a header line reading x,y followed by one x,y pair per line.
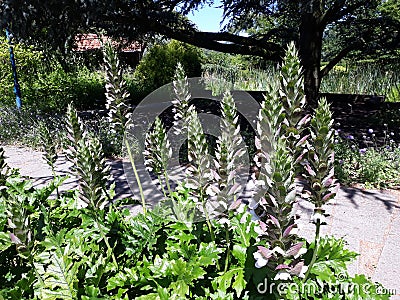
x,y
162,186
167,182
136,176
228,250
110,250
316,244
54,176
208,221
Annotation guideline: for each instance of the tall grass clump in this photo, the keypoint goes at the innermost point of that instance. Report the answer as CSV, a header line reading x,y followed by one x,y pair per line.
x,y
219,79
363,79
393,95
359,79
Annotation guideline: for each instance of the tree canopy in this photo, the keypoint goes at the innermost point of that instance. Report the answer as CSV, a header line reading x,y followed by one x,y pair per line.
x,y
363,25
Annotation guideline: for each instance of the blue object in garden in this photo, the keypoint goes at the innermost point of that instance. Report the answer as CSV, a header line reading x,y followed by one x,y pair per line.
x,y
17,89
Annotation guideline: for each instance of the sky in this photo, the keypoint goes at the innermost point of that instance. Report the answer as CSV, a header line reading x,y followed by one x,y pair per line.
x,y
207,18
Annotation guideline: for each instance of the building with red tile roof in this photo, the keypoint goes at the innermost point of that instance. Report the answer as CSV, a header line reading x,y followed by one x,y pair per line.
x,y
130,52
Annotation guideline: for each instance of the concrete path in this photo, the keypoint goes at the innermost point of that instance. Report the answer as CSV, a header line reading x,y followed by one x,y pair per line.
x,y
368,220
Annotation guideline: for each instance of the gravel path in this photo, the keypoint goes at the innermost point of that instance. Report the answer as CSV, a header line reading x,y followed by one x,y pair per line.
x,y
368,220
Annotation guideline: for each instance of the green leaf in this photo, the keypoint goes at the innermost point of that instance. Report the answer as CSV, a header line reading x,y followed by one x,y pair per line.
x,y
180,288
197,273
207,254
5,241
92,293
323,272
152,296
57,270
140,232
368,289
162,266
332,252
179,266
232,278
163,293
243,228
116,281
239,252
239,283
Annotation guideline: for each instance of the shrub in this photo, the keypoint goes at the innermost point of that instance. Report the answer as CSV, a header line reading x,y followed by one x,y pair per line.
x,y
54,89
158,66
367,163
28,62
47,87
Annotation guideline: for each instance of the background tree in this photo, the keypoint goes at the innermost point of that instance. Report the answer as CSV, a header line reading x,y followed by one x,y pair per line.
x,y
370,35
359,25
158,65
391,8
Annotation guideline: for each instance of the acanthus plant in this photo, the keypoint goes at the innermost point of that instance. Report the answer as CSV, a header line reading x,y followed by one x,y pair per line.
x,y
319,166
182,97
319,169
49,146
116,90
229,153
279,128
187,123
88,161
117,97
158,152
89,164
290,142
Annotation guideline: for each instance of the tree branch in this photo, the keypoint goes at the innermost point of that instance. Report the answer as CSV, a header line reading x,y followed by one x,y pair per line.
x,y
342,53
331,12
338,10
218,41
224,42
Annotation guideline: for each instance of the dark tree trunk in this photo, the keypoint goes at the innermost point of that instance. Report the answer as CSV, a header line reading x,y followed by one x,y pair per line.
x,y
310,47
